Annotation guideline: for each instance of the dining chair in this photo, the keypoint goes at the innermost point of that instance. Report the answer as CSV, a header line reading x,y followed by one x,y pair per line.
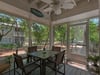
x,y
26,69
55,65
30,50
56,48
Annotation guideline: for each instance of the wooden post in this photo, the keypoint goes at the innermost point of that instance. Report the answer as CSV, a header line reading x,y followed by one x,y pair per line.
x,y
68,44
51,36
99,33
51,31
30,33
87,41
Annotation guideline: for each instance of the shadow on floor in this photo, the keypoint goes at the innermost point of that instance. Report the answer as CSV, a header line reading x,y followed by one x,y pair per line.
x,y
70,70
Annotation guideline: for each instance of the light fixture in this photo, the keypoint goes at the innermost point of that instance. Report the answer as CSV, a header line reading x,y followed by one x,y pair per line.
x,y
36,12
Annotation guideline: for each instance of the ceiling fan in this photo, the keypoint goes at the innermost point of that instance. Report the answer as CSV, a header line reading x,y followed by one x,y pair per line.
x,y
57,5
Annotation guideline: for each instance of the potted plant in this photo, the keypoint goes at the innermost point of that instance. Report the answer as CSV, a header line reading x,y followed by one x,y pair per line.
x,y
94,59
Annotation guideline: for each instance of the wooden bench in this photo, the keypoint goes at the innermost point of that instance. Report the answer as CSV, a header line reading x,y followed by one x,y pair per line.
x,y
4,67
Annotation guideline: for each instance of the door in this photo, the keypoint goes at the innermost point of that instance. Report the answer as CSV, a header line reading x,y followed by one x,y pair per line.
x,y
78,42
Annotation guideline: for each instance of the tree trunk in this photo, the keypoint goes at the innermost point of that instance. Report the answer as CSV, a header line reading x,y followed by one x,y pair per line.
x,y
1,37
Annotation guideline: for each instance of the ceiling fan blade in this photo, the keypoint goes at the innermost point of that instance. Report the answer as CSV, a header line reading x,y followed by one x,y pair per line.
x,y
58,11
48,9
67,0
47,1
67,6
70,1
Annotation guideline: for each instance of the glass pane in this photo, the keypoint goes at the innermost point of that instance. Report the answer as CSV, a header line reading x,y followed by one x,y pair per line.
x,y
77,40
40,36
59,35
94,36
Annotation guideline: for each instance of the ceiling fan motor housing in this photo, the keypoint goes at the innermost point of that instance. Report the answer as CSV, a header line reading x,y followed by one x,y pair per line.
x,y
57,5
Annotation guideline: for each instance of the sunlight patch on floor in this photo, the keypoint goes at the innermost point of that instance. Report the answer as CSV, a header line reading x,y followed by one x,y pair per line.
x,y
78,65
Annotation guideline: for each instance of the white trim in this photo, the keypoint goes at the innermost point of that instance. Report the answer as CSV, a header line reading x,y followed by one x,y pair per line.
x,y
16,11
77,17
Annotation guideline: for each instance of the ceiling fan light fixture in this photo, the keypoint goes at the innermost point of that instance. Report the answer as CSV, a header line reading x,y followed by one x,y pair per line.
x,y
48,9
57,5
67,0
36,12
47,1
58,12
68,6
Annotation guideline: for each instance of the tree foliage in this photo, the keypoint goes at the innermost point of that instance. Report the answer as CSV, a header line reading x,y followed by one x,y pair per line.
x,y
24,26
7,23
93,32
40,33
60,33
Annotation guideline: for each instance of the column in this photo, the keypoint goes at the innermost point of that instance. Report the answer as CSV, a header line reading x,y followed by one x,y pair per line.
x,y
87,42
68,42
51,36
99,33
30,33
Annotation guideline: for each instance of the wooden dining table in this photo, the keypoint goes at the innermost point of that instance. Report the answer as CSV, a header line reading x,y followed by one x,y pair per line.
x,y
43,55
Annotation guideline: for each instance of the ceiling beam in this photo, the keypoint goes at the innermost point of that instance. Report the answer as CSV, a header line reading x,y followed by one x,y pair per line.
x,y
44,6
9,9
81,16
74,2
88,0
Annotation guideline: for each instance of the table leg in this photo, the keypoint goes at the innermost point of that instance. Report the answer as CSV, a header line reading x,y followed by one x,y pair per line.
x,y
43,67
14,67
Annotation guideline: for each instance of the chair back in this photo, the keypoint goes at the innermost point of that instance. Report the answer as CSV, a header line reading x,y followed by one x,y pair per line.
x,y
55,48
18,61
60,57
32,49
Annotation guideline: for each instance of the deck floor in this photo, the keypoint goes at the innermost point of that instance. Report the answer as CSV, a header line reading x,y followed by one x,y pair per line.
x,y
70,70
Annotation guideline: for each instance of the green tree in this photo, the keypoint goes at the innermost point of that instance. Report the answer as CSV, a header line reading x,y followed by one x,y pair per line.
x,y
40,33
24,26
7,23
60,33
72,35
93,33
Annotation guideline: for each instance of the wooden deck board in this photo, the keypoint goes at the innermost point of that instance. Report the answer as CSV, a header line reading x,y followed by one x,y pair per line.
x,y
70,70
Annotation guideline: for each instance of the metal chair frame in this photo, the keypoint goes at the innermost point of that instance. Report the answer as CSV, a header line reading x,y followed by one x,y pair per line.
x,y
18,61
57,62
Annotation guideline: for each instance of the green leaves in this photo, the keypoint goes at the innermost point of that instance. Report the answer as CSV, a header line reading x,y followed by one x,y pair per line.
x,y
40,33
5,26
60,32
93,33
94,58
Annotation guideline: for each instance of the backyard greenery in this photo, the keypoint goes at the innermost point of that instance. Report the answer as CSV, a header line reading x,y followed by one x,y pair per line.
x,y
60,32
93,33
7,46
7,23
40,33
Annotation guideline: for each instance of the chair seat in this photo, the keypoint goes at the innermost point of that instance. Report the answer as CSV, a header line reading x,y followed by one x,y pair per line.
x,y
52,65
30,67
30,50
55,64
26,68
54,48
